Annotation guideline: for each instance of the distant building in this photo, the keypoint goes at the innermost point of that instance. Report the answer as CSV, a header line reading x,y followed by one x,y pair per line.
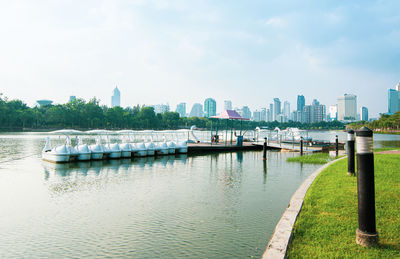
x,y
116,98
263,114
181,109
197,110
277,108
393,100
268,116
364,113
72,98
314,113
227,105
332,112
161,108
271,112
44,102
257,115
210,107
286,110
347,107
301,102
246,112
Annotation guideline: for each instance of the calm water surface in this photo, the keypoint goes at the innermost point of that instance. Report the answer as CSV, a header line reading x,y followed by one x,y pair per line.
x,y
213,206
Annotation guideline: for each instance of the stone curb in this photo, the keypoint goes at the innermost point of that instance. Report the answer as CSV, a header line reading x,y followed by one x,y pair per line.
x,y
277,245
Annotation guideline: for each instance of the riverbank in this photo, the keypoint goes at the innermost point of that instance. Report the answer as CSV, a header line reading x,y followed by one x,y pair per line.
x,y
328,220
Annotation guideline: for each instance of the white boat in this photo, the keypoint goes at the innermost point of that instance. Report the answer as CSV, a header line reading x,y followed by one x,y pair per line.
x,y
162,148
181,147
115,151
84,153
150,148
96,150
58,154
171,147
73,153
140,149
126,149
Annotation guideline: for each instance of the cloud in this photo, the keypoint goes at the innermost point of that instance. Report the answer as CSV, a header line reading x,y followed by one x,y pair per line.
x,y
276,22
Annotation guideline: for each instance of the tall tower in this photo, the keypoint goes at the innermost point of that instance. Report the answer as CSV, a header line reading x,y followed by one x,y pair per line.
x,y
301,102
347,107
210,107
277,108
227,105
116,98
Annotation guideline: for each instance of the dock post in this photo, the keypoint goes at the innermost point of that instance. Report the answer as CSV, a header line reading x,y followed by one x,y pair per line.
x,y
366,234
337,145
350,153
301,146
265,149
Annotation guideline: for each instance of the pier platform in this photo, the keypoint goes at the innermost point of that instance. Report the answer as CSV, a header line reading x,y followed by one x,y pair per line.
x,y
194,148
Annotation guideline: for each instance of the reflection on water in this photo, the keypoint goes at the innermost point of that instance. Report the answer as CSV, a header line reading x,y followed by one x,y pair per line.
x,y
209,206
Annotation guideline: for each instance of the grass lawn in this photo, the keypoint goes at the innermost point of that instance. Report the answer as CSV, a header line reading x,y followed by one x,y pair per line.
x,y
326,226
315,158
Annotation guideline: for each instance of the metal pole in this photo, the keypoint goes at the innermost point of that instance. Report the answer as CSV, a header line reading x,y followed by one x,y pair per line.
x,y
350,153
265,149
301,146
366,234
337,145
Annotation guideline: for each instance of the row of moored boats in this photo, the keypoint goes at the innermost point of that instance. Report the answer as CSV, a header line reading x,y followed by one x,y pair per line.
x,y
107,150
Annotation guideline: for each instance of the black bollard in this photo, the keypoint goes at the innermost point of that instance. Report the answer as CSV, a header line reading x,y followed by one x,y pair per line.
x,y
350,153
366,234
301,146
265,149
337,145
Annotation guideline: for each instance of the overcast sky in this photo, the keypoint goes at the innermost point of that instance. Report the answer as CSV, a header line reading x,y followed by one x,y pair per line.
x,y
166,51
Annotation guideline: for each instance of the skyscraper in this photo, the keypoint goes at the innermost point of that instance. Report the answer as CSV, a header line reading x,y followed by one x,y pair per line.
x,y
116,98
286,110
246,113
181,109
210,107
333,112
393,101
256,115
263,114
161,108
347,107
271,112
227,105
277,108
314,113
301,102
364,113
197,110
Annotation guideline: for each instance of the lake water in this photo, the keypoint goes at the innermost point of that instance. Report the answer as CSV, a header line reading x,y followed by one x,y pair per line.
x,y
212,206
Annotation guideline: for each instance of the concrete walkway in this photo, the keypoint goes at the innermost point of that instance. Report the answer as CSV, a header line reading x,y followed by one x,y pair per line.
x,y
277,246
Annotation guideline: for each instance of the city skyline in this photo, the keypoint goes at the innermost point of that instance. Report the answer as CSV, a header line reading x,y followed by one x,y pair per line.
x,y
321,50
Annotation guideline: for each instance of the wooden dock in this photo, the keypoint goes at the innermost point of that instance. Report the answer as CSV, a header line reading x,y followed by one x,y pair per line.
x,y
221,147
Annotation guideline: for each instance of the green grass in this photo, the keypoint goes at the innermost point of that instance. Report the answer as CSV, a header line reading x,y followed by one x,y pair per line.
x,y
385,149
326,226
316,158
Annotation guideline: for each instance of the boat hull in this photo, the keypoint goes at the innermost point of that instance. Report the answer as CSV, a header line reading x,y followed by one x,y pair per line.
x,y
96,156
55,158
84,157
150,152
114,155
182,150
126,154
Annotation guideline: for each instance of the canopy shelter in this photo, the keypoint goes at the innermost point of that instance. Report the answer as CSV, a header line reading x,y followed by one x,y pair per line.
x,y
230,115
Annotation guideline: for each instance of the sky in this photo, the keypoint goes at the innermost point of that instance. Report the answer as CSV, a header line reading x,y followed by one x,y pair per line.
x,y
172,51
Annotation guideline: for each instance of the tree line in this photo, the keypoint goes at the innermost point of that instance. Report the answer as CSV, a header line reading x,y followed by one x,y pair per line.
x,y
79,114
386,123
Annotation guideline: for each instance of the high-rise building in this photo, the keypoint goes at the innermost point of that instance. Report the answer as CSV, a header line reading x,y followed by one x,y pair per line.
x,y
246,112
364,113
314,113
257,115
116,98
210,107
333,112
393,100
398,87
271,112
197,110
268,116
263,114
161,108
72,98
181,109
301,102
347,107
277,108
286,110
227,105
